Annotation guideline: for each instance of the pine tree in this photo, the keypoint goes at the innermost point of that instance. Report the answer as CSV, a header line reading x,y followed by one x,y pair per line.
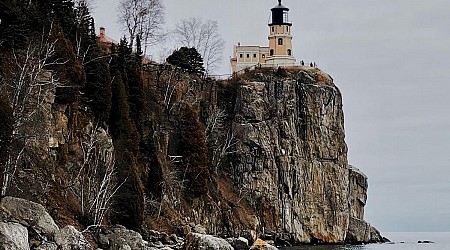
x,y
130,67
98,83
129,204
194,151
187,59
83,35
69,69
62,12
122,127
129,200
136,85
14,27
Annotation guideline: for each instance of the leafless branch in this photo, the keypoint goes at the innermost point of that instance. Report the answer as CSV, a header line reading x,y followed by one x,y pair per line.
x,y
143,18
30,85
205,37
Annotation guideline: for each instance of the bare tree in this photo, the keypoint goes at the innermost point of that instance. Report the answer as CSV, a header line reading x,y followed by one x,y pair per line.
x,y
143,18
214,122
221,144
30,86
205,37
95,183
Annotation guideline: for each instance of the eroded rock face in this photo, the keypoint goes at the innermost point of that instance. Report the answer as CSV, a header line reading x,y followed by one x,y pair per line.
x,y
357,192
292,156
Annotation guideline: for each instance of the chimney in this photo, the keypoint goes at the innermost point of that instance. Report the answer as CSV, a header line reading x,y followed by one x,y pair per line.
x,y
102,31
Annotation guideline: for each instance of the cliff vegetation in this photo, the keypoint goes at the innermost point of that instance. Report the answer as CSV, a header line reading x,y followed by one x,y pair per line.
x,y
99,137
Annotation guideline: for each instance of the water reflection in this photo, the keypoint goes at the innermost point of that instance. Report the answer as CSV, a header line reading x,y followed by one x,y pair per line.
x,y
326,247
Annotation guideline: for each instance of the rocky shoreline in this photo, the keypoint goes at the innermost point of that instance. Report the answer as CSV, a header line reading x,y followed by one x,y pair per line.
x,y
26,225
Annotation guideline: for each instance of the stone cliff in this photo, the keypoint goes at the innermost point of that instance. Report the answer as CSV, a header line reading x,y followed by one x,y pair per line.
x,y
292,158
284,173
276,159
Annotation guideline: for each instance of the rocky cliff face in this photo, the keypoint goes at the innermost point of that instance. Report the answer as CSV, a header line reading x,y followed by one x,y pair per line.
x,y
289,178
277,161
292,156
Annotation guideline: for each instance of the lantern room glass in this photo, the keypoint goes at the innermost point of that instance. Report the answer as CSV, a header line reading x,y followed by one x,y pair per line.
x,y
285,16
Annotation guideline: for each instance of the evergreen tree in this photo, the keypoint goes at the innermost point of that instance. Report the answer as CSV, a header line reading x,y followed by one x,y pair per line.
x,y
194,152
188,59
61,12
130,67
129,200
135,84
129,206
14,25
83,36
98,80
69,69
98,83
122,127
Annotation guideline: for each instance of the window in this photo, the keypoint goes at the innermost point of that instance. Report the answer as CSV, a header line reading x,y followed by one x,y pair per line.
x,y
241,55
248,55
287,28
254,55
263,55
285,17
280,41
289,52
271,52
273,29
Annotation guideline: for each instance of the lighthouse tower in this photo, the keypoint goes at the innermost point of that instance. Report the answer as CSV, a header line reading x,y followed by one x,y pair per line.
x,y
280,38
279,52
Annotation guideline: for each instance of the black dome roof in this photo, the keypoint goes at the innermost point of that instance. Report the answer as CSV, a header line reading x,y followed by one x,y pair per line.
x,y
280,6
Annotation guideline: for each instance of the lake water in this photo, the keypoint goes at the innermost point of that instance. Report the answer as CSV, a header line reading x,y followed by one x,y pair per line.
x,y
409,239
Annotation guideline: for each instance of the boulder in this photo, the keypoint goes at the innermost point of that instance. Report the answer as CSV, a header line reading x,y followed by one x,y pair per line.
x,y
30,214
260,244
359,231
69,238
47,246
13,236
121,238
240,243
196,241
199,229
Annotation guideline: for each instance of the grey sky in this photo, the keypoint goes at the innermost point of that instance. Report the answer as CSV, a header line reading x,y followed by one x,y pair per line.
x,y
390,59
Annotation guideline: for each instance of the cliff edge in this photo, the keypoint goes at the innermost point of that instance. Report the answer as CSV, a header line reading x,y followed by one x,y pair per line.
x,y
292,158
261,155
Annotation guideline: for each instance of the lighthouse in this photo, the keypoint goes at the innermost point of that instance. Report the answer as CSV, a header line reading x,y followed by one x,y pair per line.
x,y
280,37
279,53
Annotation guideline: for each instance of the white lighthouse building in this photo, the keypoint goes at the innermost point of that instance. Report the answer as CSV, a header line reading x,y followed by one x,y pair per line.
x,y
279,52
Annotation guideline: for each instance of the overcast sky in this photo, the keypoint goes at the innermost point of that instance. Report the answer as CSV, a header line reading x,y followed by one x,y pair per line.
x,y
390,59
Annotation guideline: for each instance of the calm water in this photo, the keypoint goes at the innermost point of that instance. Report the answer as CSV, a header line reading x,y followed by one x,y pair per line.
x,y
441,239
